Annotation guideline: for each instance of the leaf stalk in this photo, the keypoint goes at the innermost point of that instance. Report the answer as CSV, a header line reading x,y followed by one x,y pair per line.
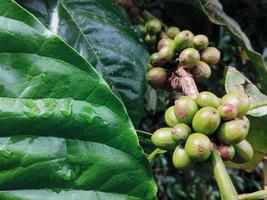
x,y
226,187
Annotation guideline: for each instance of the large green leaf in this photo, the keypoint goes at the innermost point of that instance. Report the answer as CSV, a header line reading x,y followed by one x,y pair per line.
x,y
65,195
100,31
214,11
235,81
67,130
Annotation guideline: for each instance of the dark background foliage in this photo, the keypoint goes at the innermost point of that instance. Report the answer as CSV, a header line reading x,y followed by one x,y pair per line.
x,y
252,17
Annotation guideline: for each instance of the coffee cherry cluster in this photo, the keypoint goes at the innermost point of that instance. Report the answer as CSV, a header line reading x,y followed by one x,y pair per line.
x,y
198,126
178,48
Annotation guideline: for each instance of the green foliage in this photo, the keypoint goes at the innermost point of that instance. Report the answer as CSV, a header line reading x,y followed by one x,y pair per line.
x,y
99,31
66,130
66,195
65,135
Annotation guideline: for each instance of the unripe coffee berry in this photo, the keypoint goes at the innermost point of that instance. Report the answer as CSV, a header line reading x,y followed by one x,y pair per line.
x,y
180,159
244,152
163,35
166,53
232,132
150,39
210,55
185,109
162,138
170,117
201,42
246,120
157,77
183,40
206,120
149,66
189,58
153,26
227,111
205,99
201,71
154,59
141,30
227,152
172,32
198,146
240,100
181,132
165,42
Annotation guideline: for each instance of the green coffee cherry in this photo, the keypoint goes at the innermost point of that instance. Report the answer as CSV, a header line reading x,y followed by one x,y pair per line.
x,y
183,40
198,146
202,71
180,159
150,39
170,117
189,58
185,109
227,111
246,120
149,66
244,152
154,59
227,152
141,30
206,120
157,77
162,138
201,42
153,26
205,99
166,53
210,55
233,132
240,100
172,32
163,35
165,42
181,132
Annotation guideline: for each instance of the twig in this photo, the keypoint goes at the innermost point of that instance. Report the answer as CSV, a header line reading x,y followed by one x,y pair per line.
x,y
144,133
173,82
253,196
265,174
187,82
153,154
226,187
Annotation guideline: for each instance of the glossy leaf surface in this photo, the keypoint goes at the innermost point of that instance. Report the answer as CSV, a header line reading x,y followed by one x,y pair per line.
x,y
100,31
67,130
65,195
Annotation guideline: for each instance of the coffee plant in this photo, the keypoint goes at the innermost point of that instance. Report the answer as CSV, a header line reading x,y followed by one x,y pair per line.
x,y
128,100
